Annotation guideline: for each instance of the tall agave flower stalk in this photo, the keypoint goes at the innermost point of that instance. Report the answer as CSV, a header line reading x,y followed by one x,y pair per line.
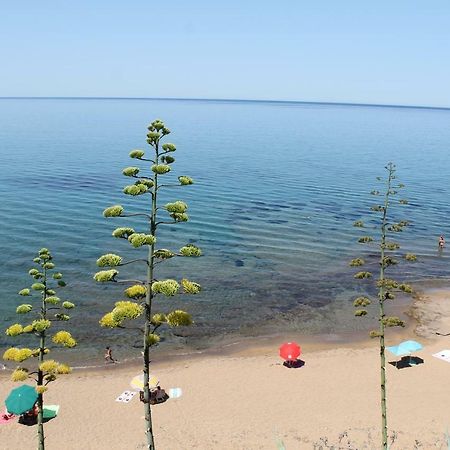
x,y
386,286
139,304
51,309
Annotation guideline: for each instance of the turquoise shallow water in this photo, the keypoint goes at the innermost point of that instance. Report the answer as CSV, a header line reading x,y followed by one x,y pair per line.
x,y
278,186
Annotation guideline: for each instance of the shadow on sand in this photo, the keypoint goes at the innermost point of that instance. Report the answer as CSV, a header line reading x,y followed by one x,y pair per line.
x,y
407,361
294,364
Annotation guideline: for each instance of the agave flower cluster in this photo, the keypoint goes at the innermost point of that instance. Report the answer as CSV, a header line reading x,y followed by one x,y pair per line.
x,y
45,313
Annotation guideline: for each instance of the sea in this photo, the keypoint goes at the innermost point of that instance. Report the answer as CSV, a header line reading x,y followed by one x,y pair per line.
x,y
278,186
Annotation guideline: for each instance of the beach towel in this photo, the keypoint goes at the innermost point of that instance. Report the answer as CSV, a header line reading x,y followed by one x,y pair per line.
x,y
444,355
5,417
50,411
175,392
126,396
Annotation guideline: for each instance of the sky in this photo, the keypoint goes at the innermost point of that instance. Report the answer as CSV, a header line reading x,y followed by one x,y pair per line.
x,y
382,52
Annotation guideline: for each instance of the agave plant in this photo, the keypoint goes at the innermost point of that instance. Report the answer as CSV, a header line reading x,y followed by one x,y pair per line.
x,y
44,316
141,294
387,287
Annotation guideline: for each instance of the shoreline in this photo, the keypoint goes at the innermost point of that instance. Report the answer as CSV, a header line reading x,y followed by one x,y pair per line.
x,y
420,315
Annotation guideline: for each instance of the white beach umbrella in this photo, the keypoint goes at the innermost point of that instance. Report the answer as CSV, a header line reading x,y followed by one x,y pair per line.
x,y
137,382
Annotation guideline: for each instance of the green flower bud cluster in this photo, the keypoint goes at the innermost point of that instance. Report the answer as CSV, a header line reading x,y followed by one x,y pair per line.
x,y
64,338
358,224
48,266
168,159
44,254
113,211
53,300
362,275
356,262
62,317
365,239
109,260
153,137
411,257
140,239
179,318
68,305
163,253
362,301
190,250
135,189
158,125
38,286
389,261
130,171
105,275
153,339
405,288
168,147
166,287
23,309
57,276
393,321
184,180
360,312
176,207
160,169
24,292
41,325
123,232
146,182
392,246
158,319
138,291
190,287
387,283
137,154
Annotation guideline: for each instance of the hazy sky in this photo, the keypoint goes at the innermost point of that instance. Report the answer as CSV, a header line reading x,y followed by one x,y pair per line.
x,y
324,50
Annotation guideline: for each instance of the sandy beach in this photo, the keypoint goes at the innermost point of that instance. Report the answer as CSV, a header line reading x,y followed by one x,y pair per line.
x,y
249,400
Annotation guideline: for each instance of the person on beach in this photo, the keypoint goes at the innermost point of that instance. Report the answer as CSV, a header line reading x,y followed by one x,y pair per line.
x,y
441,242
108,355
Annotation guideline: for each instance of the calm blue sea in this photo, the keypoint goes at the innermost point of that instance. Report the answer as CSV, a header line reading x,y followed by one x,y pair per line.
x,y
278,186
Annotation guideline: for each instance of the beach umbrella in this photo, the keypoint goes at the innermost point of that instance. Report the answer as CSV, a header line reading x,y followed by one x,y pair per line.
x,y
137,382
21,399
405,348
290,351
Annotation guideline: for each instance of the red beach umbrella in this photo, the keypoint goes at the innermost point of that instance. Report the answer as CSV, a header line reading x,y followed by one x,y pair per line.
x,y
290,351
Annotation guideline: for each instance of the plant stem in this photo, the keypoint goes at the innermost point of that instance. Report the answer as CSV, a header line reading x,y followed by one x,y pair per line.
x,y
40,380
381,298
148,314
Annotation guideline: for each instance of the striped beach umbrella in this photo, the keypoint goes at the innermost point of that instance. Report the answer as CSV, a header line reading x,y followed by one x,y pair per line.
x,y
137,382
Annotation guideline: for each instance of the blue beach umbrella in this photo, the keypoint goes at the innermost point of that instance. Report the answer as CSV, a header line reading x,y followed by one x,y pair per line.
x,y
405,348
21,399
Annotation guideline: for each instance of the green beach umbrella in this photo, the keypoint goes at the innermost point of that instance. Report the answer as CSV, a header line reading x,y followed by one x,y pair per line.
x,y
21,399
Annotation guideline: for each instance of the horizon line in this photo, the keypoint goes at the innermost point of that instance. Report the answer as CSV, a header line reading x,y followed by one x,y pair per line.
x,y
228,100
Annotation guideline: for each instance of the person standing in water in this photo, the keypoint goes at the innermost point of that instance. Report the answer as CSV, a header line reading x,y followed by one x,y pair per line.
x,y
441,242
